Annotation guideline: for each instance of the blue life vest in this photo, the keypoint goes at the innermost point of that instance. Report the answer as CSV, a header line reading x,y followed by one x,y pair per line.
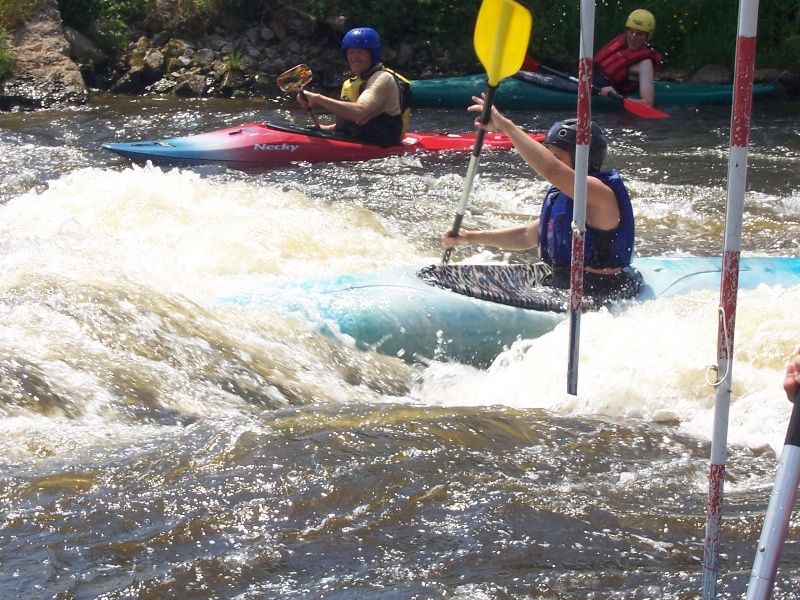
x,y
603,249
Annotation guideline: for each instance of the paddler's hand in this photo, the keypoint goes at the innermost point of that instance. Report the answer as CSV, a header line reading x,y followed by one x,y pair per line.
x,y
451,241
495,119
791,382
605,91
305,99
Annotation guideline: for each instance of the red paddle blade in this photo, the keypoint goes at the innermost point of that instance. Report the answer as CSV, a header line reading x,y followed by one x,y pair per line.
x,y
295,79
643,110
531,64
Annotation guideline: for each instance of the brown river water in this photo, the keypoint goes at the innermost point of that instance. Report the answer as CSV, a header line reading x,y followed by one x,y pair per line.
x,y
157,443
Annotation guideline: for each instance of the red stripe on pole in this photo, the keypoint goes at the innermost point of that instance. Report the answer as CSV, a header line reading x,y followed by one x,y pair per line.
x,y
584,101
716,478
743,100
576,274
716,481
727,301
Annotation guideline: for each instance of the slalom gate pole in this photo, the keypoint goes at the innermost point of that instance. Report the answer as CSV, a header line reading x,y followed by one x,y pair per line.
x,y
579,206
737,178
779,511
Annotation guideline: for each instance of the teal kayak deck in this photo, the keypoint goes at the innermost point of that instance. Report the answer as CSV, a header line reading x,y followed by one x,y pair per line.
x,y
394,312
513,93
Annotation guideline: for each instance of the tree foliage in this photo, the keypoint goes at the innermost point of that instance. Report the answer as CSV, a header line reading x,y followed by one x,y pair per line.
x,y
688,34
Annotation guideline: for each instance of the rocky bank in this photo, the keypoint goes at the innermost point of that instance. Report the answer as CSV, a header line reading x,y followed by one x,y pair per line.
x,y
56,65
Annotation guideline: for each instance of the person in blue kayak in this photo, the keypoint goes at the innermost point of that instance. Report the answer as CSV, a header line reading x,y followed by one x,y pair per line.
x,y
628,63
375,104
609,214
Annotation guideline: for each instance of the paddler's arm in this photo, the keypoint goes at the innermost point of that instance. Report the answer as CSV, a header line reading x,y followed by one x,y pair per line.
x,y
602,208
359,112
643,73
518,237
535,154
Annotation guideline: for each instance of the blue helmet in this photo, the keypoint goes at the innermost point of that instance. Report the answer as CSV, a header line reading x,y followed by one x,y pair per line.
x,y
563,134
366,38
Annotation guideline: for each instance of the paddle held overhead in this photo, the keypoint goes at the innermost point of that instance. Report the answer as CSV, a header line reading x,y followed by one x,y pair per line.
x,y
501,39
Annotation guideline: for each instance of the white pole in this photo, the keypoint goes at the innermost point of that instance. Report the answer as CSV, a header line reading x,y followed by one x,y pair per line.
x,y
579,206
737,178
779,511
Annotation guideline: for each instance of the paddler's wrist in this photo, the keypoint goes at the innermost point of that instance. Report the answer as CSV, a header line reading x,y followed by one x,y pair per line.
x,y
313,98
461,238
466,236
502,122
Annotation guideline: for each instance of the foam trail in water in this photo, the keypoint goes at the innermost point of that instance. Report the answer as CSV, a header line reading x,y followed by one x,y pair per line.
x,y
187,232
650,363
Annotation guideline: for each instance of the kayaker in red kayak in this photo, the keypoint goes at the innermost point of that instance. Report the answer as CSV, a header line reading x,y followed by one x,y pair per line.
x,y
628,62
375,103
609,214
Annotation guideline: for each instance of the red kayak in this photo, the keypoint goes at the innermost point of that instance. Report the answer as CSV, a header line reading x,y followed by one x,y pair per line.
x,y
259,146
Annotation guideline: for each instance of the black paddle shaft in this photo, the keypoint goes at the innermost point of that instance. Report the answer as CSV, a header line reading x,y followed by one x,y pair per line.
x,y
563,75
486,116
793,431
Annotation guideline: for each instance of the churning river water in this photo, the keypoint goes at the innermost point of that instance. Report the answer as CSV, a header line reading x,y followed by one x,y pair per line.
x,y
157,443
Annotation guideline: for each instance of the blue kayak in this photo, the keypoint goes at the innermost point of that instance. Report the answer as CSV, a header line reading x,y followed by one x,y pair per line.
x,y
395,312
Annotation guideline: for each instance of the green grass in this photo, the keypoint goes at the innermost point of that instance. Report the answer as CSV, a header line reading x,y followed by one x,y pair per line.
x,y
7,63
233,61
14,13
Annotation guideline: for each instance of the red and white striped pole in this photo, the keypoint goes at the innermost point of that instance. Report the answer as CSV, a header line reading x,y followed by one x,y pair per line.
x,y
579,206
737,178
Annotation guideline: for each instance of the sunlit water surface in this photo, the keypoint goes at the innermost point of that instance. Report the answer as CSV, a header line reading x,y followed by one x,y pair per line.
x,y
157,443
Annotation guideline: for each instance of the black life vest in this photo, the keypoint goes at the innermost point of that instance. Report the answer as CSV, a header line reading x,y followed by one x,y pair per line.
x,y
381,129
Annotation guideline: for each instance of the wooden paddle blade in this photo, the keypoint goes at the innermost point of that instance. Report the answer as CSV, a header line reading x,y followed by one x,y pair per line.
x,y
501,38
642,110
295,79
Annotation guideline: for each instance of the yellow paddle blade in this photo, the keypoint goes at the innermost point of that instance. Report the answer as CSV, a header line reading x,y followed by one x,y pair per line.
x,y
501,37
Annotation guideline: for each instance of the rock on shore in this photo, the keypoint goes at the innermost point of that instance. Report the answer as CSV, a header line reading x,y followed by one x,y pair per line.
x,y
45,74
57,65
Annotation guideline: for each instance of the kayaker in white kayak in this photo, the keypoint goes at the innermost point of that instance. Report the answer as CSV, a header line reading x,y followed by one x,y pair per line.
x,y
609,214
375,104
628,63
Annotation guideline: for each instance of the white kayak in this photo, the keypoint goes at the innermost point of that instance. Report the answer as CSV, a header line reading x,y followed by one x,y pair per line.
x,y
395,312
